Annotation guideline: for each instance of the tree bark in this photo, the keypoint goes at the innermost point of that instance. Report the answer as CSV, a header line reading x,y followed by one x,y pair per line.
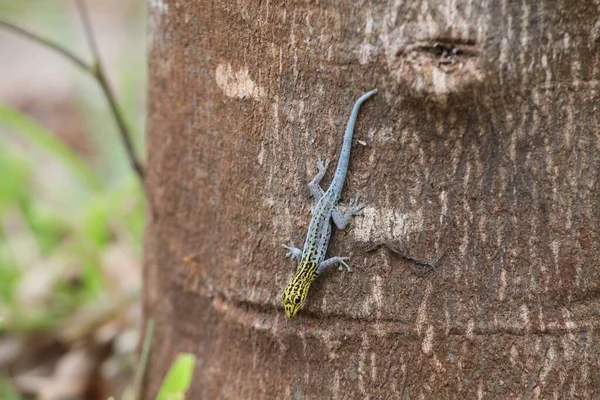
x,y
476,260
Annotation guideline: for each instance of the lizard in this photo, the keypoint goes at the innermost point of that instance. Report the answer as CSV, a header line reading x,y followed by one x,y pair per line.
x,y
311,258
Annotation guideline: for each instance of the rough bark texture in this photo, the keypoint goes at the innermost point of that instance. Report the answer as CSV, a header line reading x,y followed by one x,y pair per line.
x,y
476,261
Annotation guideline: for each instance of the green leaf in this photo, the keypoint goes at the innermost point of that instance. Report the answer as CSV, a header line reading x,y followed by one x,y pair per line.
x,y
178,379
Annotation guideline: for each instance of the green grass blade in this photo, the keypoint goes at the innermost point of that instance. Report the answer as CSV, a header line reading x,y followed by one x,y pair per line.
x,y
144,355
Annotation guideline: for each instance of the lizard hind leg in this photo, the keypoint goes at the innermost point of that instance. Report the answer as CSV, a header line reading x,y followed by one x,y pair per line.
x,y
331,261
313,185
293,252
354,208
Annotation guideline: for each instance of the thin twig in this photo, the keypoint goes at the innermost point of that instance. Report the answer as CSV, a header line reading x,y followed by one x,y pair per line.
x,y
49,44
96,69
89,31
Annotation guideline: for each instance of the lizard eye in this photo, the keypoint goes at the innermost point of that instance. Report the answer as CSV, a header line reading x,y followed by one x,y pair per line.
x,y
297,299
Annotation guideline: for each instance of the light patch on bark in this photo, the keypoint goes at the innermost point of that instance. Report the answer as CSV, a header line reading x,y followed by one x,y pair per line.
x,y
362,356
237,84
524,315
427,344
336,385
366,49
385,134
541,319
261,153
293,44
437,363
375,300
514,353
567,344
504,51
503,284
569,323
447,319
548,364
470,330
584,372
444,205
387,222
555,245
422,311
463,245
480,391
377,294
373,366
332,345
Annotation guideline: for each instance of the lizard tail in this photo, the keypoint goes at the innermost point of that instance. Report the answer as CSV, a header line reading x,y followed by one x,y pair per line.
x,y
342,166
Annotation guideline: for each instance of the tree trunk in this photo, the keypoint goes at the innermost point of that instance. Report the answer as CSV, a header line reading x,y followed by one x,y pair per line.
x,y
476,260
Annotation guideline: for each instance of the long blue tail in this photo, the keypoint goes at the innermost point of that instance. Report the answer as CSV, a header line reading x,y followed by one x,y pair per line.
x,y
342,167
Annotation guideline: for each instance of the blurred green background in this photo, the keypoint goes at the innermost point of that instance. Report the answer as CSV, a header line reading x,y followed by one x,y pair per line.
x,y
72,211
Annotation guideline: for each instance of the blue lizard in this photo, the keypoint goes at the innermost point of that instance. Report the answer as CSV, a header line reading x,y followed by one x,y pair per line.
x,y
311,259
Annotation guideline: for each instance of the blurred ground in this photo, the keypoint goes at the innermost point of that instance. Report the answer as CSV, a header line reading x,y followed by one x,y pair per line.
x,y
71,210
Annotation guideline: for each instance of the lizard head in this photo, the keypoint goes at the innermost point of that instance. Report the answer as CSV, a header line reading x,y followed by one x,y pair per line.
x,y
296,291
293,298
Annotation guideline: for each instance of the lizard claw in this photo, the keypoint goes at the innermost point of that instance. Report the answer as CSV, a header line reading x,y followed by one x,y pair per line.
x,y
355,206
289,254
322,166
343,263
293,252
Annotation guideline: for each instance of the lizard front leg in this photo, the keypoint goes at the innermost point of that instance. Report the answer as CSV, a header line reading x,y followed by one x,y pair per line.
x,y
313,185
354,208
331,261
293,252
